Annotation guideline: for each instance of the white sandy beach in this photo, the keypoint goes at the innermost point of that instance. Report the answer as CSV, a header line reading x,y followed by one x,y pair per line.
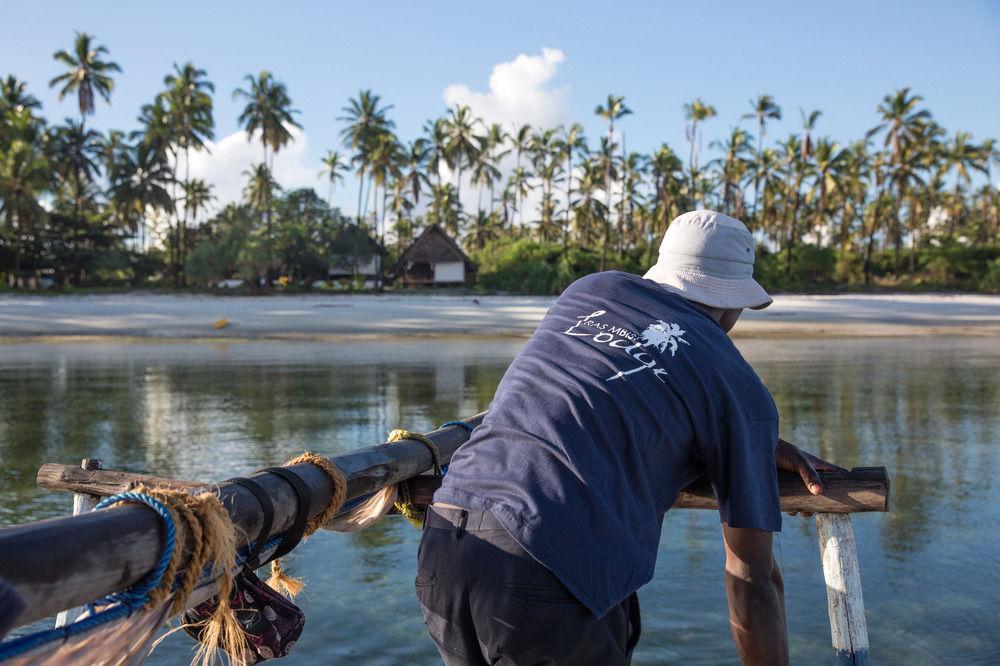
x,y
388,315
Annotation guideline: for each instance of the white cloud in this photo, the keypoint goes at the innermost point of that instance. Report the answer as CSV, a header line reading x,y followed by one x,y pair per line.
x,y
517,95
224,163
517,92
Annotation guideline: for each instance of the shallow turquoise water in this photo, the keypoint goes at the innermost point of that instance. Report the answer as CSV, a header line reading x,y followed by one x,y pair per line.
x,y
929,409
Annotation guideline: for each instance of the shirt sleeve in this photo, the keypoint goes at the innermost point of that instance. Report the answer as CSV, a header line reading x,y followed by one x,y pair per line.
x,y
740,466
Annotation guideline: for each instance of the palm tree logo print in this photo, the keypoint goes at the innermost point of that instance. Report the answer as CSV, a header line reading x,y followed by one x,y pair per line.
x,y
663,336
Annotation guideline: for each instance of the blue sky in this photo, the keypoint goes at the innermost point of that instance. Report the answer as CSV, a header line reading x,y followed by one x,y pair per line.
x,y
839,57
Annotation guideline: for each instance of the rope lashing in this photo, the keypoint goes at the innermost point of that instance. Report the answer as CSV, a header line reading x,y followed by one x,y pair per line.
x,y
404,503
363,512
139,594
400,434
279,579
195,524
208,534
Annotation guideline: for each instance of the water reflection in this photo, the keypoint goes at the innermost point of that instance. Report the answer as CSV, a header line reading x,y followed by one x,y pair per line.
x,y
927,409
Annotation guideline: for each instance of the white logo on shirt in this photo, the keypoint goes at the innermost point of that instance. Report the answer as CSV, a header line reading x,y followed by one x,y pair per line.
x,y
663,336
659,336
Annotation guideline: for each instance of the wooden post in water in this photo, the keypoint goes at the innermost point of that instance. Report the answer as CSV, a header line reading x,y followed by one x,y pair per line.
x,y
82,503
838,551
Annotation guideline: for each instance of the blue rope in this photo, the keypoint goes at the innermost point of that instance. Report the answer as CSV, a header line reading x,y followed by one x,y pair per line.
x,y
121,604
138,594
461,424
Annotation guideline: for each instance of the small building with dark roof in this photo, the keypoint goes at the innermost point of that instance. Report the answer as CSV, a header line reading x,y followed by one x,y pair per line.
x,y
434,259
355,254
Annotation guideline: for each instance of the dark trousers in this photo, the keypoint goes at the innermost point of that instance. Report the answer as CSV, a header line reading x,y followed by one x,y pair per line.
x,y
486,601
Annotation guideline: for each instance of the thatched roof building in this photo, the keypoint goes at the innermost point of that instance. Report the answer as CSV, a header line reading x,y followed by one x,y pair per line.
x,y
434,259
354,254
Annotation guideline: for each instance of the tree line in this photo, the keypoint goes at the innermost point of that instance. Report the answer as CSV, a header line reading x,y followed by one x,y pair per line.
x,y
908,203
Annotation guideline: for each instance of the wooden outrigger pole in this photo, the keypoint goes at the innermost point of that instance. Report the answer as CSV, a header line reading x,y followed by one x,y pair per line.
x,y
62,563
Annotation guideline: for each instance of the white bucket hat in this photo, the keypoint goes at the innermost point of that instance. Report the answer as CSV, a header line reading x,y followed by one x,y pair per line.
x,y
707,257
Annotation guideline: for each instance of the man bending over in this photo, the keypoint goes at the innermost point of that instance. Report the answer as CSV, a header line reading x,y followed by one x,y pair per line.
x,y
549,518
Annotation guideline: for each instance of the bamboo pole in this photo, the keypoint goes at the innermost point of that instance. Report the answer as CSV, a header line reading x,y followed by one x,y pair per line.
x,y
64,562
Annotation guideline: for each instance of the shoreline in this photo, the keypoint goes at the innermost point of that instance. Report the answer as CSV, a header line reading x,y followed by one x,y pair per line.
x,y
139,317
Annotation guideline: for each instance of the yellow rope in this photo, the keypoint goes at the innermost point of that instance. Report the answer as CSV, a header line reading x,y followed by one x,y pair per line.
x,y
404,499
279,579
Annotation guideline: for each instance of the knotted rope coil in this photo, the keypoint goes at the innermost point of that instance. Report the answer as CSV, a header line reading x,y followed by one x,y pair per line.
x,y
404,502
371,509
199,528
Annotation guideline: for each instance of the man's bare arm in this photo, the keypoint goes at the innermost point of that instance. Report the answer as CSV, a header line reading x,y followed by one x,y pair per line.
x,y
756,597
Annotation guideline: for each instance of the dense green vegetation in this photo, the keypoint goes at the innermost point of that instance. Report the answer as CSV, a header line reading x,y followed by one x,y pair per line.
x,y
909,205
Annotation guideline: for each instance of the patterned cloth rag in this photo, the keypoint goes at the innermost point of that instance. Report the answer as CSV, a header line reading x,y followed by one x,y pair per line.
x,y
271,623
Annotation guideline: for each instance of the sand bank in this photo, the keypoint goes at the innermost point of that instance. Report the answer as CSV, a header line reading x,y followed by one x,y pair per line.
x,y
375,316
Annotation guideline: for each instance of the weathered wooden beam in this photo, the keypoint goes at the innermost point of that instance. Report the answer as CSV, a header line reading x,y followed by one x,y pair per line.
x,y
845,603
104,482
859,490
63,562
856,491
101,482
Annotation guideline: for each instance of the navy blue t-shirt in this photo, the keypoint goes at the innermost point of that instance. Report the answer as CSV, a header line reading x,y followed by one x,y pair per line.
x,y
624,395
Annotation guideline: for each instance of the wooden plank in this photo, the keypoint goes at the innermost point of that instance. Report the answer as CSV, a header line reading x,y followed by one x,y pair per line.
x,y
859,490
845,604
856,491
64,562
104,482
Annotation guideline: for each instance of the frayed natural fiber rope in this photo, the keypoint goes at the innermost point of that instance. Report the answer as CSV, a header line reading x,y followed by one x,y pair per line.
x,y
404,502
365,514
397,495
279,579
207,535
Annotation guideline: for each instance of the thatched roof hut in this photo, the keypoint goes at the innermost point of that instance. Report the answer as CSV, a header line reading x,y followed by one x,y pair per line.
x,y
434,259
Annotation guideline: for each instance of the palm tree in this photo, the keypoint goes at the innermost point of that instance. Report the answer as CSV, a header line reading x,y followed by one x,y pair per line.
x,y
414,177
268,112
484,169
520,141
571,141
139,184
334,168
808,125
24,176
190,124
606,156
796,168
14,96
87,73
437,147
386,155
764,109
829,160
366,120
962,156
668,180
696,112
463,143
613,109
901,120
494,142
734,165
260,186
197,196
